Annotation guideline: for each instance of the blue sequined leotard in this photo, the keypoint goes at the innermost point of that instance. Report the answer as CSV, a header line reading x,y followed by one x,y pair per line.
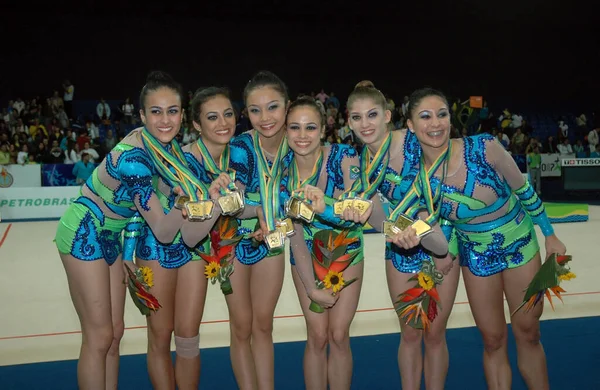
x,y
244,162
491,206
332,176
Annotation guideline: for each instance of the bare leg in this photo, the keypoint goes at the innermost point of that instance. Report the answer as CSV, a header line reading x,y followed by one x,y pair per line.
x,y
117,299
487,305
410,360
189,307
436,349
240,317
339,367
266,281
89,285
526,326
160,326
315,353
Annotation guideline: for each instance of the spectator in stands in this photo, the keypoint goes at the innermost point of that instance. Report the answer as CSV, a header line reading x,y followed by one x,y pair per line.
x,y
518,141
55,103
322,96
502,138
56,154
4,154
83,139
37,127
579,149
581,122
41,156
23,156
565,147
91,152
83,169
551,145
534,167
128,110
92,130
69,92
103,110
563,131
596,153
334,100
19,105
72,152
62,117
109,140
593,139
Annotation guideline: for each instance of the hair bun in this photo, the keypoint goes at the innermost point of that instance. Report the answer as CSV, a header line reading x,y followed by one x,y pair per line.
x,y
158,76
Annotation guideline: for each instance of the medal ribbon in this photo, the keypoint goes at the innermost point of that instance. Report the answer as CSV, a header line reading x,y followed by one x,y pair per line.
x,y
410,204
269,180
172,167
294,182
211,165
368,167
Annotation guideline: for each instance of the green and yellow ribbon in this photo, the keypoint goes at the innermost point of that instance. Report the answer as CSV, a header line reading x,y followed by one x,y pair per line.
x,y
269,180
172,167
421,187
368,166
211,165
294,183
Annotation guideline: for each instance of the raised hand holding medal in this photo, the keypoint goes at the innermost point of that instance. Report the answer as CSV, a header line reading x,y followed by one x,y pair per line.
x,y
403,215
231,199
353,205
298,206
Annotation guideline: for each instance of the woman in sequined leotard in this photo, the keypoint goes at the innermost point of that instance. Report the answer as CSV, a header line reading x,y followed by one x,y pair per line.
x,y
368,118
179,281
331,169
258,276
89,233
492,208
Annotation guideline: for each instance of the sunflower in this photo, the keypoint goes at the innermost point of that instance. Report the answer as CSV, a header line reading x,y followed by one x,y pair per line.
x,y
425,281
334,280
211,270
148,276
567,276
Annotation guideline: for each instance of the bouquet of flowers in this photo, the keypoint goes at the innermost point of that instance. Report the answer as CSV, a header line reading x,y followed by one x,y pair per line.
x,y
548,278
223,239
330,260
418,306
138,283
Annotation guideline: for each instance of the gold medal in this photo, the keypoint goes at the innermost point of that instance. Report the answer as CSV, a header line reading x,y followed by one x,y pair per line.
x,y
286,227
180,201
275,240
199,211
403,222
306,212
195,211
361,205
292,207
231,203
421,227
208,206
338,207
389,230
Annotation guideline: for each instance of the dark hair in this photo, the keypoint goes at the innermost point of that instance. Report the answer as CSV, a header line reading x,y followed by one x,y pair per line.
x,y
266,78
308,101
417,96
367,93
157,80
201,96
